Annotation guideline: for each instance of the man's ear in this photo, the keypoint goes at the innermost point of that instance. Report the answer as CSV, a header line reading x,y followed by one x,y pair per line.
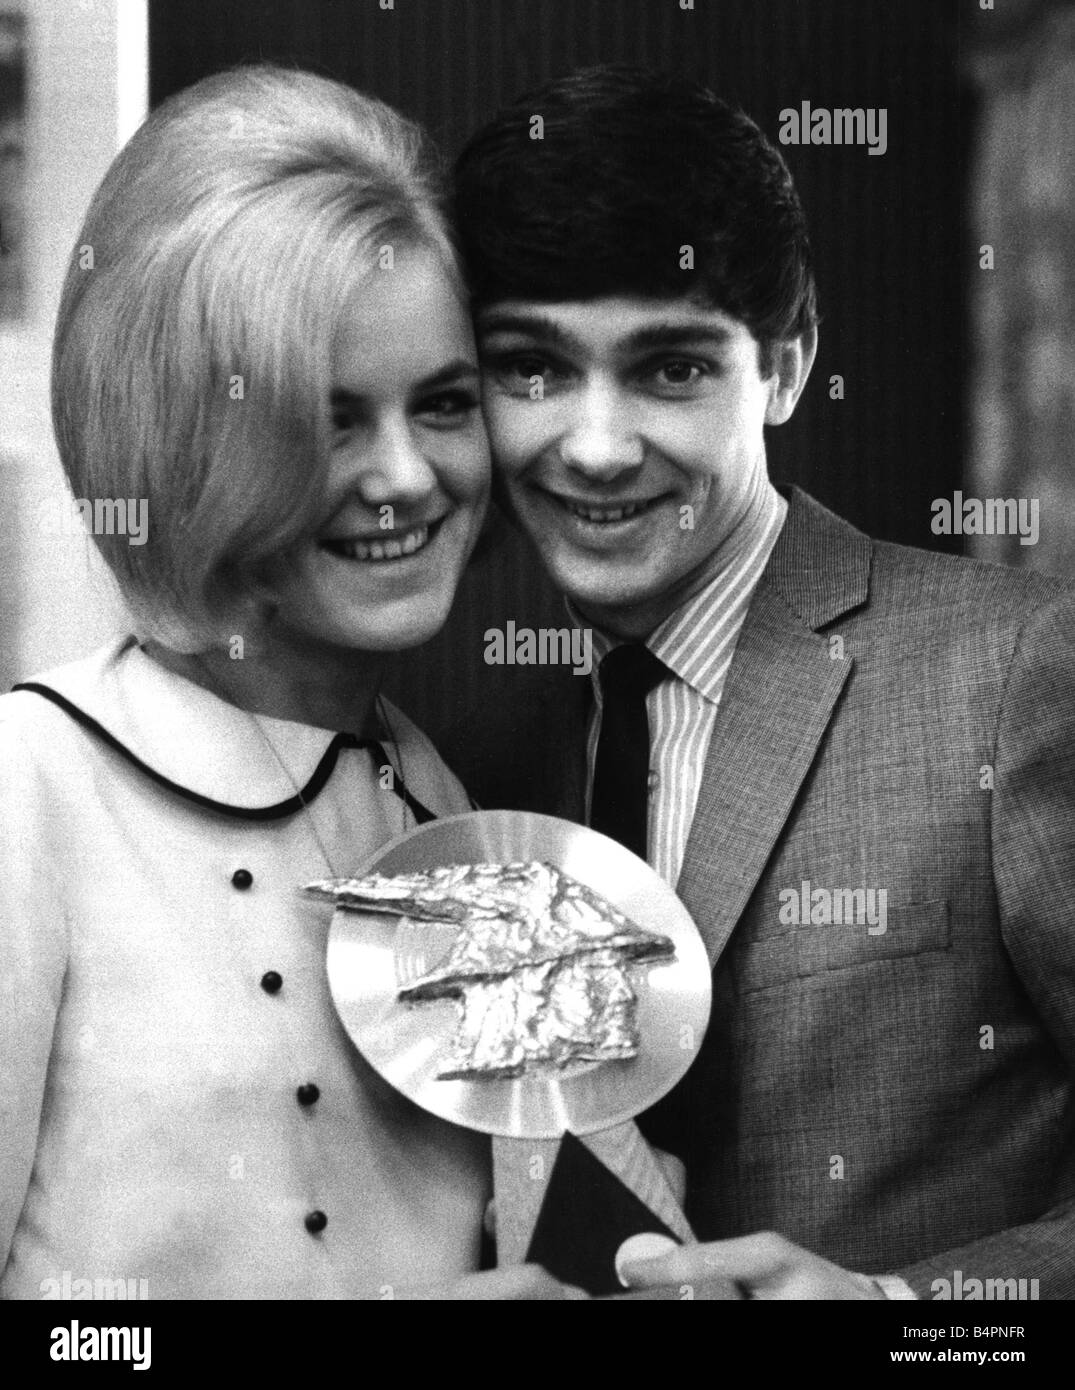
x,y
792,360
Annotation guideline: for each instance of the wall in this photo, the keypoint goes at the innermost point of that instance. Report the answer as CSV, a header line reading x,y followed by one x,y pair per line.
x,y
87,92
1023,362
890,236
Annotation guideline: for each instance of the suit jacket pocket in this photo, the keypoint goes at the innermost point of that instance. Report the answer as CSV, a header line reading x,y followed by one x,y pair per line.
x,y
808,951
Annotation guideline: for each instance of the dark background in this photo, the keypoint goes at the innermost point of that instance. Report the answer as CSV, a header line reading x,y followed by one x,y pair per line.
x,y
894,253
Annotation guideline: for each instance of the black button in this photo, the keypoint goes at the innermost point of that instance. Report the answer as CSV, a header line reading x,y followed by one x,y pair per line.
x,y
242,878
308,1094
272,982
315,1222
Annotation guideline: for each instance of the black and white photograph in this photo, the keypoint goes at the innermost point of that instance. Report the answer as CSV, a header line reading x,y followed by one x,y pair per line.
x,y
537,640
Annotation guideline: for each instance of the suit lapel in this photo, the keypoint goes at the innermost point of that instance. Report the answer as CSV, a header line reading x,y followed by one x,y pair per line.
x,y
780,694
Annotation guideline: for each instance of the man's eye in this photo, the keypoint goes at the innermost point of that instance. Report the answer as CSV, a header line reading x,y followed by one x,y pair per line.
x,y
517,371
679,372
343,419
529,367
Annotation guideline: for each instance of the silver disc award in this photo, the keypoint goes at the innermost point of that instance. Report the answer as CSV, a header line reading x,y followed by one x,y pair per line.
x,y
529,978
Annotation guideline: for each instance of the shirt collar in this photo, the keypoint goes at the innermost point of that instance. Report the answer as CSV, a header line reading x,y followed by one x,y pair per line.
x,y
717,610
191,738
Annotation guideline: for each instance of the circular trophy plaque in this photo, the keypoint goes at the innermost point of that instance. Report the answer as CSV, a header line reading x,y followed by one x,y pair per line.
x,y
371,956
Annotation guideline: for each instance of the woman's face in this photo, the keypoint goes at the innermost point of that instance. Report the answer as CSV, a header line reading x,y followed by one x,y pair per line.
x,y
409,475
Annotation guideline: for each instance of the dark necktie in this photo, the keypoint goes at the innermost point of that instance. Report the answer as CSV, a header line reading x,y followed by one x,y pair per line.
x,y
620,800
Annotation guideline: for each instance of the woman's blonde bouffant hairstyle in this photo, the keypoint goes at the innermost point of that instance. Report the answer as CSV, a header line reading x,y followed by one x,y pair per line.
x,y
193,353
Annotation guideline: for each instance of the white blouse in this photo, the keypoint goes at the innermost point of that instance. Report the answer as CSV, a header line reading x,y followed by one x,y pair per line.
x,y
179,1104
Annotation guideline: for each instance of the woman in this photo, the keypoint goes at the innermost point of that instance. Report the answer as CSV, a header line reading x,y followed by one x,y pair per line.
x,y
263,340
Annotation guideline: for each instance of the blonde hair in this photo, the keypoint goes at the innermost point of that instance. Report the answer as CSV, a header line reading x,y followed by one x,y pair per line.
x,y
193,351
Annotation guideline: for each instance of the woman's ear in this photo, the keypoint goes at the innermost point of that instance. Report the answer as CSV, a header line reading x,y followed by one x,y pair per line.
x,y
792,360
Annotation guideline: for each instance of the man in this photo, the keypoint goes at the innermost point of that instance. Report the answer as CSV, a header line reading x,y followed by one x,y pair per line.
x,y
857,760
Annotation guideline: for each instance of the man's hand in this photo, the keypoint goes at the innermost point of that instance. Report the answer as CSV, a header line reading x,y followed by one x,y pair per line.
x,y
762,1266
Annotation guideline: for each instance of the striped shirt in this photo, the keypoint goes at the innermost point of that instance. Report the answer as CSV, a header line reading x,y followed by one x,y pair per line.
x,y
696,643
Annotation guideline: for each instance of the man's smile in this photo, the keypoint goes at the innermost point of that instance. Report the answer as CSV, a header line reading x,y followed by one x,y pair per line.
x,y
591,515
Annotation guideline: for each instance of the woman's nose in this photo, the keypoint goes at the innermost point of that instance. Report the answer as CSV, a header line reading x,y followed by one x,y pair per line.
x,y
396,468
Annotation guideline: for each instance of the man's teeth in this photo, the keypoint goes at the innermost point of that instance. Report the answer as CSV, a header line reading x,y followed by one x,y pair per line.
x,y
606,514
392,549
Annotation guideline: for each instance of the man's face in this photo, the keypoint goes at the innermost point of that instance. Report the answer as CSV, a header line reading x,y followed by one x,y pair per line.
x,y
629,436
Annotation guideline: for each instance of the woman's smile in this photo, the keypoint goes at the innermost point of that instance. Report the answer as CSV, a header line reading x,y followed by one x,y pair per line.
x,y
384,546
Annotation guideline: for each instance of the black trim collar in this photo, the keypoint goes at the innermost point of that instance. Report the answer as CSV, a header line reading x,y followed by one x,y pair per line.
x,y
289,807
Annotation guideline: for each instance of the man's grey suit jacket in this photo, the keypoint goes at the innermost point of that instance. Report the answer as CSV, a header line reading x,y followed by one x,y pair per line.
x,y
897,1101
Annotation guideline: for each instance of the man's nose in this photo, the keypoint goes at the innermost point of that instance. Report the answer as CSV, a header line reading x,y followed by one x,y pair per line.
x,y
397,469
601,441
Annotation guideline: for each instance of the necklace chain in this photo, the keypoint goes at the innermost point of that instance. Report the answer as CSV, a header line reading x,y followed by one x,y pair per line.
x,y
211,680
312,1139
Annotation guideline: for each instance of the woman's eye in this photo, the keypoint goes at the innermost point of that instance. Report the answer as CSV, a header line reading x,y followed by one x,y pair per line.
x,y
449,405
346,413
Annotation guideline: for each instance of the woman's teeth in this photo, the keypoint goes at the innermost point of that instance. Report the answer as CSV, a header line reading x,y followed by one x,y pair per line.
x,y
389,549
607,514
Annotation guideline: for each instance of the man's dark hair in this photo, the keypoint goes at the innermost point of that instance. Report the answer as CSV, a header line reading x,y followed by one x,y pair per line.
x,y
633,166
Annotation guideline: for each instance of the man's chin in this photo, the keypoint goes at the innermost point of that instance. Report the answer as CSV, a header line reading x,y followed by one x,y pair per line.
x,y
608,605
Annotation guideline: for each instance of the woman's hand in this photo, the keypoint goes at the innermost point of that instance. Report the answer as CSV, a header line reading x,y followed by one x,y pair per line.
x,y
516,1284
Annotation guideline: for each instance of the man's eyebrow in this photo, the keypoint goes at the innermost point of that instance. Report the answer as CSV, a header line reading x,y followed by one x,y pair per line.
x,y
676,335
532,325
671,334
461,370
